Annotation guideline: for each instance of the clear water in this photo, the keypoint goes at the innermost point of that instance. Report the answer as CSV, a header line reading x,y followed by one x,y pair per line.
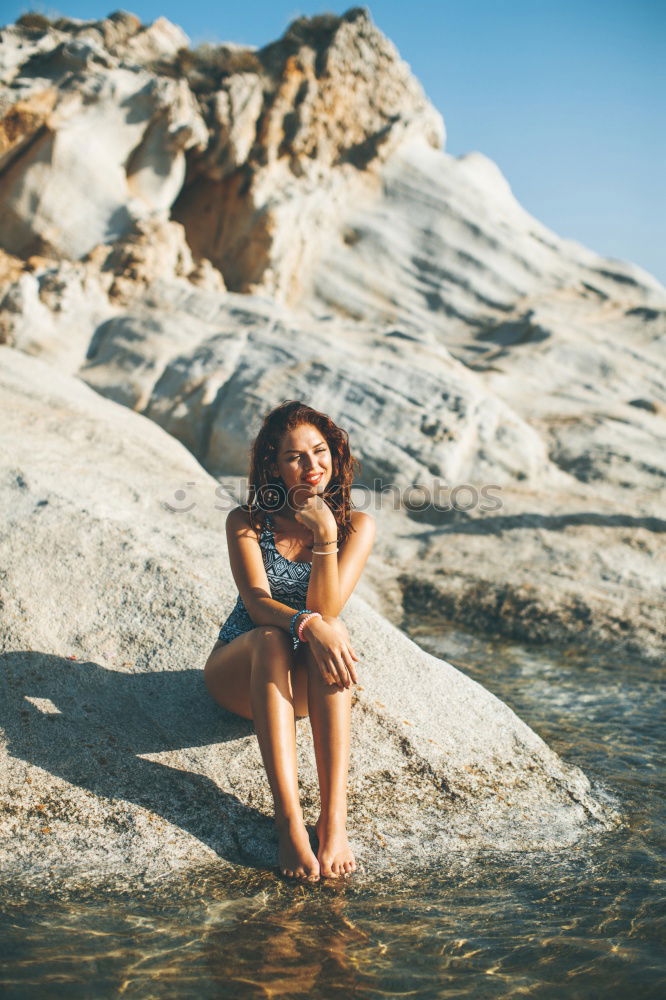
x,y
582,923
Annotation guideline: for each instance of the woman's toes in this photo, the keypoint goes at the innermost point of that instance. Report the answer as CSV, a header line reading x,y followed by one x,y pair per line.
x,y
295,847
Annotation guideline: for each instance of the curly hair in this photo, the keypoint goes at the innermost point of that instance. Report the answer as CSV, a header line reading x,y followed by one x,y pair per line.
x,y
263,488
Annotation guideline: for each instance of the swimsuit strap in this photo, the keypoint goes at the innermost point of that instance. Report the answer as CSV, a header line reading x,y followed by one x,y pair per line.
x,y
268,531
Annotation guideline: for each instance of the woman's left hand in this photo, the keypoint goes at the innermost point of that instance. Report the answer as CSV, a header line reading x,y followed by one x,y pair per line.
x,y
316,515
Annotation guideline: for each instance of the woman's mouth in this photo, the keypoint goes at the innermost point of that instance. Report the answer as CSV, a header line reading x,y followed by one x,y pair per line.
x,y
312,480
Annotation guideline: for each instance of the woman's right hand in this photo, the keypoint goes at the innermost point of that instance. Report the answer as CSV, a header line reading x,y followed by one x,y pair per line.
x,y
334,655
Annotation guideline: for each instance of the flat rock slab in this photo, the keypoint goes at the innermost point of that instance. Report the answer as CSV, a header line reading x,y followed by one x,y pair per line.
x,y
116,764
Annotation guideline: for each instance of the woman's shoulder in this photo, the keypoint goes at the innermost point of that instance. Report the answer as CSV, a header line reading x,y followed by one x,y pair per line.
x,y
239,518
239,515
361,517
363,522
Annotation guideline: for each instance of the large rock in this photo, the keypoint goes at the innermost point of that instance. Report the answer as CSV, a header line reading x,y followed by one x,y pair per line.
x,y
574,549
568,339
92,140
286,137
299,130
203,368
404,290
117,765
52,307
444,246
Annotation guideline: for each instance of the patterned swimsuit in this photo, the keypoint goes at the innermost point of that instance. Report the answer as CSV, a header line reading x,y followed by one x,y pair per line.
x,y
287,579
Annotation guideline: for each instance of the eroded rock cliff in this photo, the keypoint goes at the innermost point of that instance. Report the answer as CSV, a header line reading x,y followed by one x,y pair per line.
x,y
201,233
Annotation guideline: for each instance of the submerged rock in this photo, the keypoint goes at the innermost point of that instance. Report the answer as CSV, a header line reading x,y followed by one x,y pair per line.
x,y
116,764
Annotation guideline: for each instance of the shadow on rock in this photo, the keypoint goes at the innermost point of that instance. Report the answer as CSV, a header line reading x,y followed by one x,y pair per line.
x,y
462,523
100,720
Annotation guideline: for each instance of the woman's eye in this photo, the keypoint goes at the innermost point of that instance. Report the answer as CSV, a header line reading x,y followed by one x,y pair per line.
x,y
297,458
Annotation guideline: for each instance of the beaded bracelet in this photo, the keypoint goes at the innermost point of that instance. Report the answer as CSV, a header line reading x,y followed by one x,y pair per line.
x,y
331,552
292,631
304,621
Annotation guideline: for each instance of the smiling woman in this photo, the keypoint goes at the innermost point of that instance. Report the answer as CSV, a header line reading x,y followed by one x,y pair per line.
x,y
283,652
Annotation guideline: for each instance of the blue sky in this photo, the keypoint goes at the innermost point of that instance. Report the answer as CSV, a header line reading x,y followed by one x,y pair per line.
x,y
568,98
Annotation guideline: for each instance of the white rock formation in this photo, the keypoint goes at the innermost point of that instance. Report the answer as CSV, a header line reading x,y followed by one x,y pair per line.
x,y
116,765
202,367
372,274
104,146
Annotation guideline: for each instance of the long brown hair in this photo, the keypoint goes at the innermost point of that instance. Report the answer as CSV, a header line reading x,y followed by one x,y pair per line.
x,y
266,493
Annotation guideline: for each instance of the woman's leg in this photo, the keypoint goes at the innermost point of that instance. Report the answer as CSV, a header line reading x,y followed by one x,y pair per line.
x,y
330,718
255,676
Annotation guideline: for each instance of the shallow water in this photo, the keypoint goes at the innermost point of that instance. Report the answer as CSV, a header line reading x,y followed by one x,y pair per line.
x,y
582,923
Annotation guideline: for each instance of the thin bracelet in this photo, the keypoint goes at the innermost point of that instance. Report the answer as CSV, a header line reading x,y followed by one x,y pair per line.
x,y
333,542
330,552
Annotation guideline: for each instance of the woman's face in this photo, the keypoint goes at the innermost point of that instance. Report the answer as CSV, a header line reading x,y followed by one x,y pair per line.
x,y
304,462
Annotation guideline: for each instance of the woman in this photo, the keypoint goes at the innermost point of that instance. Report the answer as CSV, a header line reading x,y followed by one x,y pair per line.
x,y
297,551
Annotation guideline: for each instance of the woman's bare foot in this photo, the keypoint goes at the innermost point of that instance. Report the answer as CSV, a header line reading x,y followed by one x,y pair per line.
x,y
295,853
335,856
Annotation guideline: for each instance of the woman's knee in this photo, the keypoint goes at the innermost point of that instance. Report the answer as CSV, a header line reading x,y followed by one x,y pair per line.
x,y
271,647
212,656
271,636
273,659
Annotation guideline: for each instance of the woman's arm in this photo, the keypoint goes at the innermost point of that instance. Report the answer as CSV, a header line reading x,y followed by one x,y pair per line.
x,y
328,592
330,645
333,578
247,566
